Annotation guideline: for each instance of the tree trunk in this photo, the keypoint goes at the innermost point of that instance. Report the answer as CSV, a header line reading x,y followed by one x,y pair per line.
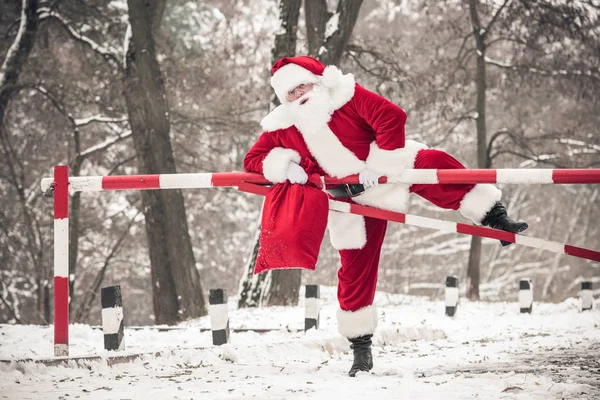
x,y
177,292
253,288
473,269
11,67
282,287
331,48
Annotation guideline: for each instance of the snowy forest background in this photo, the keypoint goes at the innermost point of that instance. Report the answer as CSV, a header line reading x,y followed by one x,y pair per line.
x,y
69,93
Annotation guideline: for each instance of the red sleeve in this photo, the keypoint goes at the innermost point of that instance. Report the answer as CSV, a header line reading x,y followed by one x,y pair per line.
x,y
269,158
386,118
257,153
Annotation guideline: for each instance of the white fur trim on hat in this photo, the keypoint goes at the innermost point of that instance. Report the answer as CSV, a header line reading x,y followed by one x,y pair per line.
x,y
288,77
390,162
276,163
346,231
357,323
479,201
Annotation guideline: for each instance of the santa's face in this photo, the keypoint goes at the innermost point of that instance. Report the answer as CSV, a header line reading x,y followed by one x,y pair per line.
x,y
299,91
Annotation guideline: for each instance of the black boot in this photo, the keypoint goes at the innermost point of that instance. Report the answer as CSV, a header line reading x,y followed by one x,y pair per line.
x,y
363,359
496,218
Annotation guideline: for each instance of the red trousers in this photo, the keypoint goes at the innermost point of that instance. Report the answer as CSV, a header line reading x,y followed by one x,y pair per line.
x,y
357,278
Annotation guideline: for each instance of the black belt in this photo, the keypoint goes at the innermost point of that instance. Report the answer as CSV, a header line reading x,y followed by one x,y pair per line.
x,y
346,191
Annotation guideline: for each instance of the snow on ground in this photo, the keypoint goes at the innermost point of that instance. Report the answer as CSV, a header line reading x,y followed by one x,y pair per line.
x,y
487,351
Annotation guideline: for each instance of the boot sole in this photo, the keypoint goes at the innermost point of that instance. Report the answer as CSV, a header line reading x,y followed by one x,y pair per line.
x,y
521,229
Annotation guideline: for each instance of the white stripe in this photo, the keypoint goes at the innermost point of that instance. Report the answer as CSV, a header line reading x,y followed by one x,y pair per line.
x,y
61,350
78,183
111,319
540,243
525,298
415,176
587,299
524,176
218,316
312,307
185,181
339,206
425,222
451,296
61,247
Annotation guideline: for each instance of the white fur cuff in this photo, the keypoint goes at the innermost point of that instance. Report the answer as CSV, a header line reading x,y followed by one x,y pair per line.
x,y
276,163
357,323
391,162
479,201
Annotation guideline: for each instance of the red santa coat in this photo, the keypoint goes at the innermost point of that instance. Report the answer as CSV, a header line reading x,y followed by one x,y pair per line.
x,y
364,130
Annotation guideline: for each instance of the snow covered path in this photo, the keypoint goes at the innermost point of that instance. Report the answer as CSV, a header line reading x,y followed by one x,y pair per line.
x,y
488,348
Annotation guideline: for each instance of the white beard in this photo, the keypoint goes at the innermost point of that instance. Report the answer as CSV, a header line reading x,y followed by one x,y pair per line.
x,y
313,114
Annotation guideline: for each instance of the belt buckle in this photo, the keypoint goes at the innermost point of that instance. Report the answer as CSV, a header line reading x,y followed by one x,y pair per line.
x,y
354,189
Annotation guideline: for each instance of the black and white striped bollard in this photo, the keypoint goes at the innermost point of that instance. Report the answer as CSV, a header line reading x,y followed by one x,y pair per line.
x,y
587,298
112,318
451,295
312,307
219,318
526,295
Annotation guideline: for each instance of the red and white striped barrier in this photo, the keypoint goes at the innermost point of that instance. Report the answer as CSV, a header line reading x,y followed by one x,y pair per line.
x,y
446,226
418,176
61,184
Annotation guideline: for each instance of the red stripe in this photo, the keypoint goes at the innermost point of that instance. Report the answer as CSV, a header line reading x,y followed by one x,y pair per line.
x,y
377,213
254,189
466,176
234,178
576,176
582,253
61,310
485,232
131,182
61,191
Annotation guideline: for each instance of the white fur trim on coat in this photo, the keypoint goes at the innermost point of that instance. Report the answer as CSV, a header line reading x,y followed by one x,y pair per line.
x,y
288,77
335,159
479,201
276,163
390,162
340,87
391,196
346,231
279,118
357,323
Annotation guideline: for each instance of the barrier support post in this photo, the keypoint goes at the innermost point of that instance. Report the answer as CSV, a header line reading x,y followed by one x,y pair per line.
x,y
61,260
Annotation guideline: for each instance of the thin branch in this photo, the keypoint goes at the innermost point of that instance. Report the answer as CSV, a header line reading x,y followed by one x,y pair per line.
x,y
107,52
540,71
495,18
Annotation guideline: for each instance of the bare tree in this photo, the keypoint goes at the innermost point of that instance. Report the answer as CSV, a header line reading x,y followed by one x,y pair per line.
x,y
282,287
177,292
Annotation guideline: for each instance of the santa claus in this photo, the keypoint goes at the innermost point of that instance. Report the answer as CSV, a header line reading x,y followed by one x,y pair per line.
x,y
327,118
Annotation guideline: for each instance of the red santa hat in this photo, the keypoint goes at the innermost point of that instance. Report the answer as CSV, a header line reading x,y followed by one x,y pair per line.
x,y
289,72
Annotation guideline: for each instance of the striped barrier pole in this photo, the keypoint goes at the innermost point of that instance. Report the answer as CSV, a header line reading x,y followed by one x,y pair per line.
x,y
219,318
112,318
445,226
451,295
526,295
587,297
312,307
409,176
61,260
